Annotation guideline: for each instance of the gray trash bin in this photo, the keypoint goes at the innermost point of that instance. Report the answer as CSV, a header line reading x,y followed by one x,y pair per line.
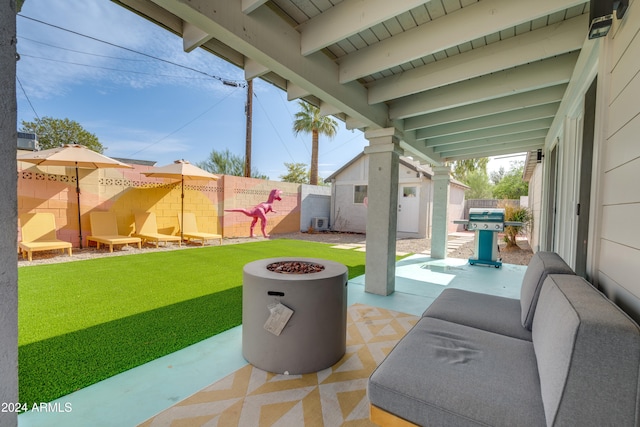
x,y
314,338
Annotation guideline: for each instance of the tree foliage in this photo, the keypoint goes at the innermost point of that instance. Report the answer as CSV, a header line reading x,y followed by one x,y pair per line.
x,y
309,120
511,185
227,163
461,168
54,133
496,176
480,187
473,172
296,172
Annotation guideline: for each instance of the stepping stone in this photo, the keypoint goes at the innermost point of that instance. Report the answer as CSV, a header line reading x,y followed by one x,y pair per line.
x,y
346,246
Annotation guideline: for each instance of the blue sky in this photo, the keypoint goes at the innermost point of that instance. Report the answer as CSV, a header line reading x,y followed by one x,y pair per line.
x,y
147,109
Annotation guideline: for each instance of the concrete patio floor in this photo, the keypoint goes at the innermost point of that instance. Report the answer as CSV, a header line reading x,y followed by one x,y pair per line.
x,y
134,396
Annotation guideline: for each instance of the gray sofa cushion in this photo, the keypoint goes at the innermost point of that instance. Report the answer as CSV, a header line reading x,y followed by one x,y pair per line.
x,y
487,312
442,373
541,264
588,354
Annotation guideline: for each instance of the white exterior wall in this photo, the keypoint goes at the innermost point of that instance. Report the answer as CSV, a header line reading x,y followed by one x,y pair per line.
x,y
535,206
456,208
613,262
345,215
315,201
348,216
616,253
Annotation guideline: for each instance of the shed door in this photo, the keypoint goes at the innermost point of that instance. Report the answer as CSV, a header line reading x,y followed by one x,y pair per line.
x,y
408,208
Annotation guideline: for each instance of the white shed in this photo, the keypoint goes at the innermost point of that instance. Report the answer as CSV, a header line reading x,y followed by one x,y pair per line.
x,y
349,186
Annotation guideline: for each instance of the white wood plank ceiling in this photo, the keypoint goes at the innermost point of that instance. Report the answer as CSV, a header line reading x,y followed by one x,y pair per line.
x,y
459,79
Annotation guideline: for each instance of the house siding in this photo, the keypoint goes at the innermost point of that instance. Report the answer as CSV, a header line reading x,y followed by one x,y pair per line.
x,y
618,257
346,215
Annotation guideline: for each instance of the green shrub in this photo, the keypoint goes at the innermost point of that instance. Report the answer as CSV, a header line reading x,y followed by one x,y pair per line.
x,y
515,214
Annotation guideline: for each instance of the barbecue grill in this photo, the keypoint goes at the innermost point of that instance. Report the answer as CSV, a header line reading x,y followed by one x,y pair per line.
x,y
487,223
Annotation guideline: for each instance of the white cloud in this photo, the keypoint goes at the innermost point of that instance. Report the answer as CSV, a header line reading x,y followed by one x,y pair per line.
x,y
506,162
145,147
140,114
50,56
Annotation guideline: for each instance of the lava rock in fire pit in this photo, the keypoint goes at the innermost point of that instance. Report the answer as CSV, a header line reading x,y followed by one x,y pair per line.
x,y
295,267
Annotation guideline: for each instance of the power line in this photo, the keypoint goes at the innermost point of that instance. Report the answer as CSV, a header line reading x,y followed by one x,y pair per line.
x,y
275,129
304,143
27,96
228,82
108,68
341,145
79,51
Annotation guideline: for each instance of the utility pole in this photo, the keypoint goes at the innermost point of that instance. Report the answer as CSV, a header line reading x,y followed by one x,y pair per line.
x,y
249,112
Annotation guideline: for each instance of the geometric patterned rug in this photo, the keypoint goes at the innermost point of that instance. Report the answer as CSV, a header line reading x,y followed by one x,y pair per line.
x,y
335,396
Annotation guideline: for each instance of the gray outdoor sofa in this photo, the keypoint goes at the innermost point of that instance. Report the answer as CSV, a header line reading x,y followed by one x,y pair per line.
x,y
562,355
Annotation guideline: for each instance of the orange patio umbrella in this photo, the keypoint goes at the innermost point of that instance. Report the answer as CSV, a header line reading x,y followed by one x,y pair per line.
x,y
73,155
181,170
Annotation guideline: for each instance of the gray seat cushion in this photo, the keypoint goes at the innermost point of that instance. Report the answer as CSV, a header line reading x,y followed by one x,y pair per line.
x,y
588,354
487,312
540,265
442,373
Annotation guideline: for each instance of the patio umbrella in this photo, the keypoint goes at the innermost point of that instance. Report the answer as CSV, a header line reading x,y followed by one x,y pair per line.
x,y
182,170
72,155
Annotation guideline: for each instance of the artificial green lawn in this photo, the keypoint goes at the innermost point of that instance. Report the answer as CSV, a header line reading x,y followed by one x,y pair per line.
x,y
81,322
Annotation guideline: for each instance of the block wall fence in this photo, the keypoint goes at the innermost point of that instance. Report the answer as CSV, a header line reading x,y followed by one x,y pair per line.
x,y
127,192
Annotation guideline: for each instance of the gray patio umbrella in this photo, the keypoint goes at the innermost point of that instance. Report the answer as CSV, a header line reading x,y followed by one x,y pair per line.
x,y
181,170
73,155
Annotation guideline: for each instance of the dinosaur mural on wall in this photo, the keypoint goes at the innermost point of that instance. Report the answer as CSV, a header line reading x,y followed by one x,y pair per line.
x,y
260,211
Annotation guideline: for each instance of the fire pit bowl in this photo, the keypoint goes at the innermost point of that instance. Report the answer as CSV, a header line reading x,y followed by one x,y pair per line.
x,y
314,337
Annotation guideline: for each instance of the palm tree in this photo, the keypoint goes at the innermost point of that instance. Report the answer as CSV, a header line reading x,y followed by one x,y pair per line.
x,y
227,163
309,120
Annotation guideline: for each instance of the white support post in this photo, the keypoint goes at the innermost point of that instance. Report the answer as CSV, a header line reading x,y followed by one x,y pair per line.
x,y
382,213
441,179
8,216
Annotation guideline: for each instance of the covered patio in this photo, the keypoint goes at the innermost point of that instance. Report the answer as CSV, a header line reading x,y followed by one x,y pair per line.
x,y
136,395
440,81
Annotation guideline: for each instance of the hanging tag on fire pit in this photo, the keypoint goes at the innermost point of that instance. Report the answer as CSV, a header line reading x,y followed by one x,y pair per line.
x,y
280,315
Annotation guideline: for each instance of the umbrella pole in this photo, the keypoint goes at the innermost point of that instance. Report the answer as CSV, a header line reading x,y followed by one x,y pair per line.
x,y
182,210
78,198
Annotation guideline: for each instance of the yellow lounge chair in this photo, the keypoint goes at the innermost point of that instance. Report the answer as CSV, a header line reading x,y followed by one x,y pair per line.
x,y
189,229
104,229
147,230
39,234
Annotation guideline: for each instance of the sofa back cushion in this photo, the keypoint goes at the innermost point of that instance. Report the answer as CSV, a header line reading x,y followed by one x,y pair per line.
x,y
588,356
541,264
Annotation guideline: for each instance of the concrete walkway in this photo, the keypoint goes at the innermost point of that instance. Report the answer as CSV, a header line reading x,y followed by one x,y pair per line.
x,y
454,242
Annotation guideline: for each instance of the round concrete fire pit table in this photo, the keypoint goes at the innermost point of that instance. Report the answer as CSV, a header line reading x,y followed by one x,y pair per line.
x,y
314,337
